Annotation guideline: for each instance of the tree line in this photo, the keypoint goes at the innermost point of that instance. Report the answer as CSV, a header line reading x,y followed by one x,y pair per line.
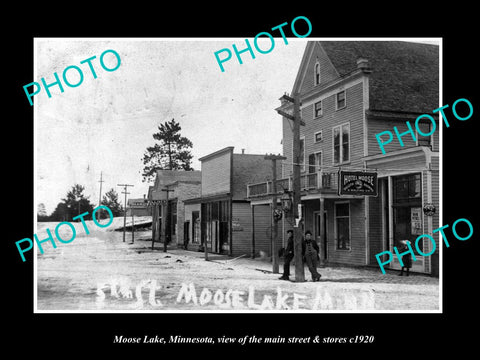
x,y
76,203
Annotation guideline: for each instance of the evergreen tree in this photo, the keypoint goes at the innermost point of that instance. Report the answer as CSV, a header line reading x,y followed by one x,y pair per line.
x,y
42,213
110,199
74,204
172,152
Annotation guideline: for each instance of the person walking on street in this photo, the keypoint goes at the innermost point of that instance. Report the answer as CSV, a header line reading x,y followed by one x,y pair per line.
x,y
407,259
287,256
310,253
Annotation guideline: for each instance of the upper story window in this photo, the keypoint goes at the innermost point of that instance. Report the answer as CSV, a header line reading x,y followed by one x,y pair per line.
x,y
341,100
316,73
317,109
425,128
341,144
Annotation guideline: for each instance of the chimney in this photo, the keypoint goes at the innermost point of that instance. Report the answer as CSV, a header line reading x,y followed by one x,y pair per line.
x,y
362,64
282,100
243,151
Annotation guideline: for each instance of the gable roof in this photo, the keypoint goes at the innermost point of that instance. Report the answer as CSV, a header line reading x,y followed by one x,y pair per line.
x,y
404,76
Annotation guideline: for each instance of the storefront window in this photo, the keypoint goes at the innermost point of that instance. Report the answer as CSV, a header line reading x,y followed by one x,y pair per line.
x,y
342,225
407,188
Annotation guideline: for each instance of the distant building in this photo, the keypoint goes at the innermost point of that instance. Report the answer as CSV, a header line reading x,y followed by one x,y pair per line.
x,y
138,207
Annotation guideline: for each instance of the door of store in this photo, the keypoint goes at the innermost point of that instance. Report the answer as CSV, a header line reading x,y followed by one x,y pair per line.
x,y
407,217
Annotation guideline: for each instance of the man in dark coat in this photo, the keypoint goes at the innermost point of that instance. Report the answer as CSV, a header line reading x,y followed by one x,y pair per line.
x,y
287,256
310,253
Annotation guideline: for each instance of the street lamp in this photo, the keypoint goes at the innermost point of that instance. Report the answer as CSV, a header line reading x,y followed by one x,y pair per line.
x,y
287,201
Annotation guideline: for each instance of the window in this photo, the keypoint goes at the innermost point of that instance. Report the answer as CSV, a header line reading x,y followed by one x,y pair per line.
x,y
317,73
341,144
318,160
425,128
314,162
318,109
342,225
318,137
341,100
407,189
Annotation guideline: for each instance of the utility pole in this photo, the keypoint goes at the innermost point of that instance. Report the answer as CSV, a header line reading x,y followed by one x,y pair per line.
x,y
274,159
125,207
155,213
165,218
297,230
133,226
100,196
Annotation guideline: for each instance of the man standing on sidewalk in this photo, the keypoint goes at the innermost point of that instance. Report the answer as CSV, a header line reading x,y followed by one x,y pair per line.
x,y
310,253
287,256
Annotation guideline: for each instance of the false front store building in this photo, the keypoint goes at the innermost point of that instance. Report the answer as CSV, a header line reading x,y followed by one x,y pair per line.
x,y
350,91
222,213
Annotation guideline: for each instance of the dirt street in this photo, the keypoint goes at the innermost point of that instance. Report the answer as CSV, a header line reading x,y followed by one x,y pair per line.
x,y
101,273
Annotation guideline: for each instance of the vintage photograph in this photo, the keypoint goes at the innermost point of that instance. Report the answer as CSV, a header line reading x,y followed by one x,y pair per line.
x,y
212,175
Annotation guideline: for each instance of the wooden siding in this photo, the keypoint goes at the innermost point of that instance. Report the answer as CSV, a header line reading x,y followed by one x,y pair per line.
x,y
375,222
216,174
376,126
242,240
413,161
352,114
183,191
249,169
327,71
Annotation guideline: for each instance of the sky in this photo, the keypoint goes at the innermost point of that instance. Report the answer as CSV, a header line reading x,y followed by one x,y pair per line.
x,y
105,124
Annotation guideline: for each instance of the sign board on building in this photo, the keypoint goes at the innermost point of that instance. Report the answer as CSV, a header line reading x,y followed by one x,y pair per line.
x,y
357,183
416,221
236,226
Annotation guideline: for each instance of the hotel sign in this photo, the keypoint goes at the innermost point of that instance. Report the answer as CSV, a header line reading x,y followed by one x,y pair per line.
x,y
357,183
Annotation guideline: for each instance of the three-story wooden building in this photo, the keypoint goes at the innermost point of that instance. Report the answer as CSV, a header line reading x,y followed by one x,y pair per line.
x,y
349,92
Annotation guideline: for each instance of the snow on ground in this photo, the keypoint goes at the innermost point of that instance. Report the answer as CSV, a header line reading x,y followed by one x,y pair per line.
x,y
100,272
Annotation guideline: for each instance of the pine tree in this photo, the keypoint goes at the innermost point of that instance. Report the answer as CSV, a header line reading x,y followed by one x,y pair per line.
x,y
42,212
172,152
110,199
74,204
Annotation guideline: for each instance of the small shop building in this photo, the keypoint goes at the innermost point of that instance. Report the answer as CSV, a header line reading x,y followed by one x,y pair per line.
x,y
138,207
166,199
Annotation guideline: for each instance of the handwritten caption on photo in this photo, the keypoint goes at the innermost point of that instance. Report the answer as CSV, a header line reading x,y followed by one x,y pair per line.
x,y
323,299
